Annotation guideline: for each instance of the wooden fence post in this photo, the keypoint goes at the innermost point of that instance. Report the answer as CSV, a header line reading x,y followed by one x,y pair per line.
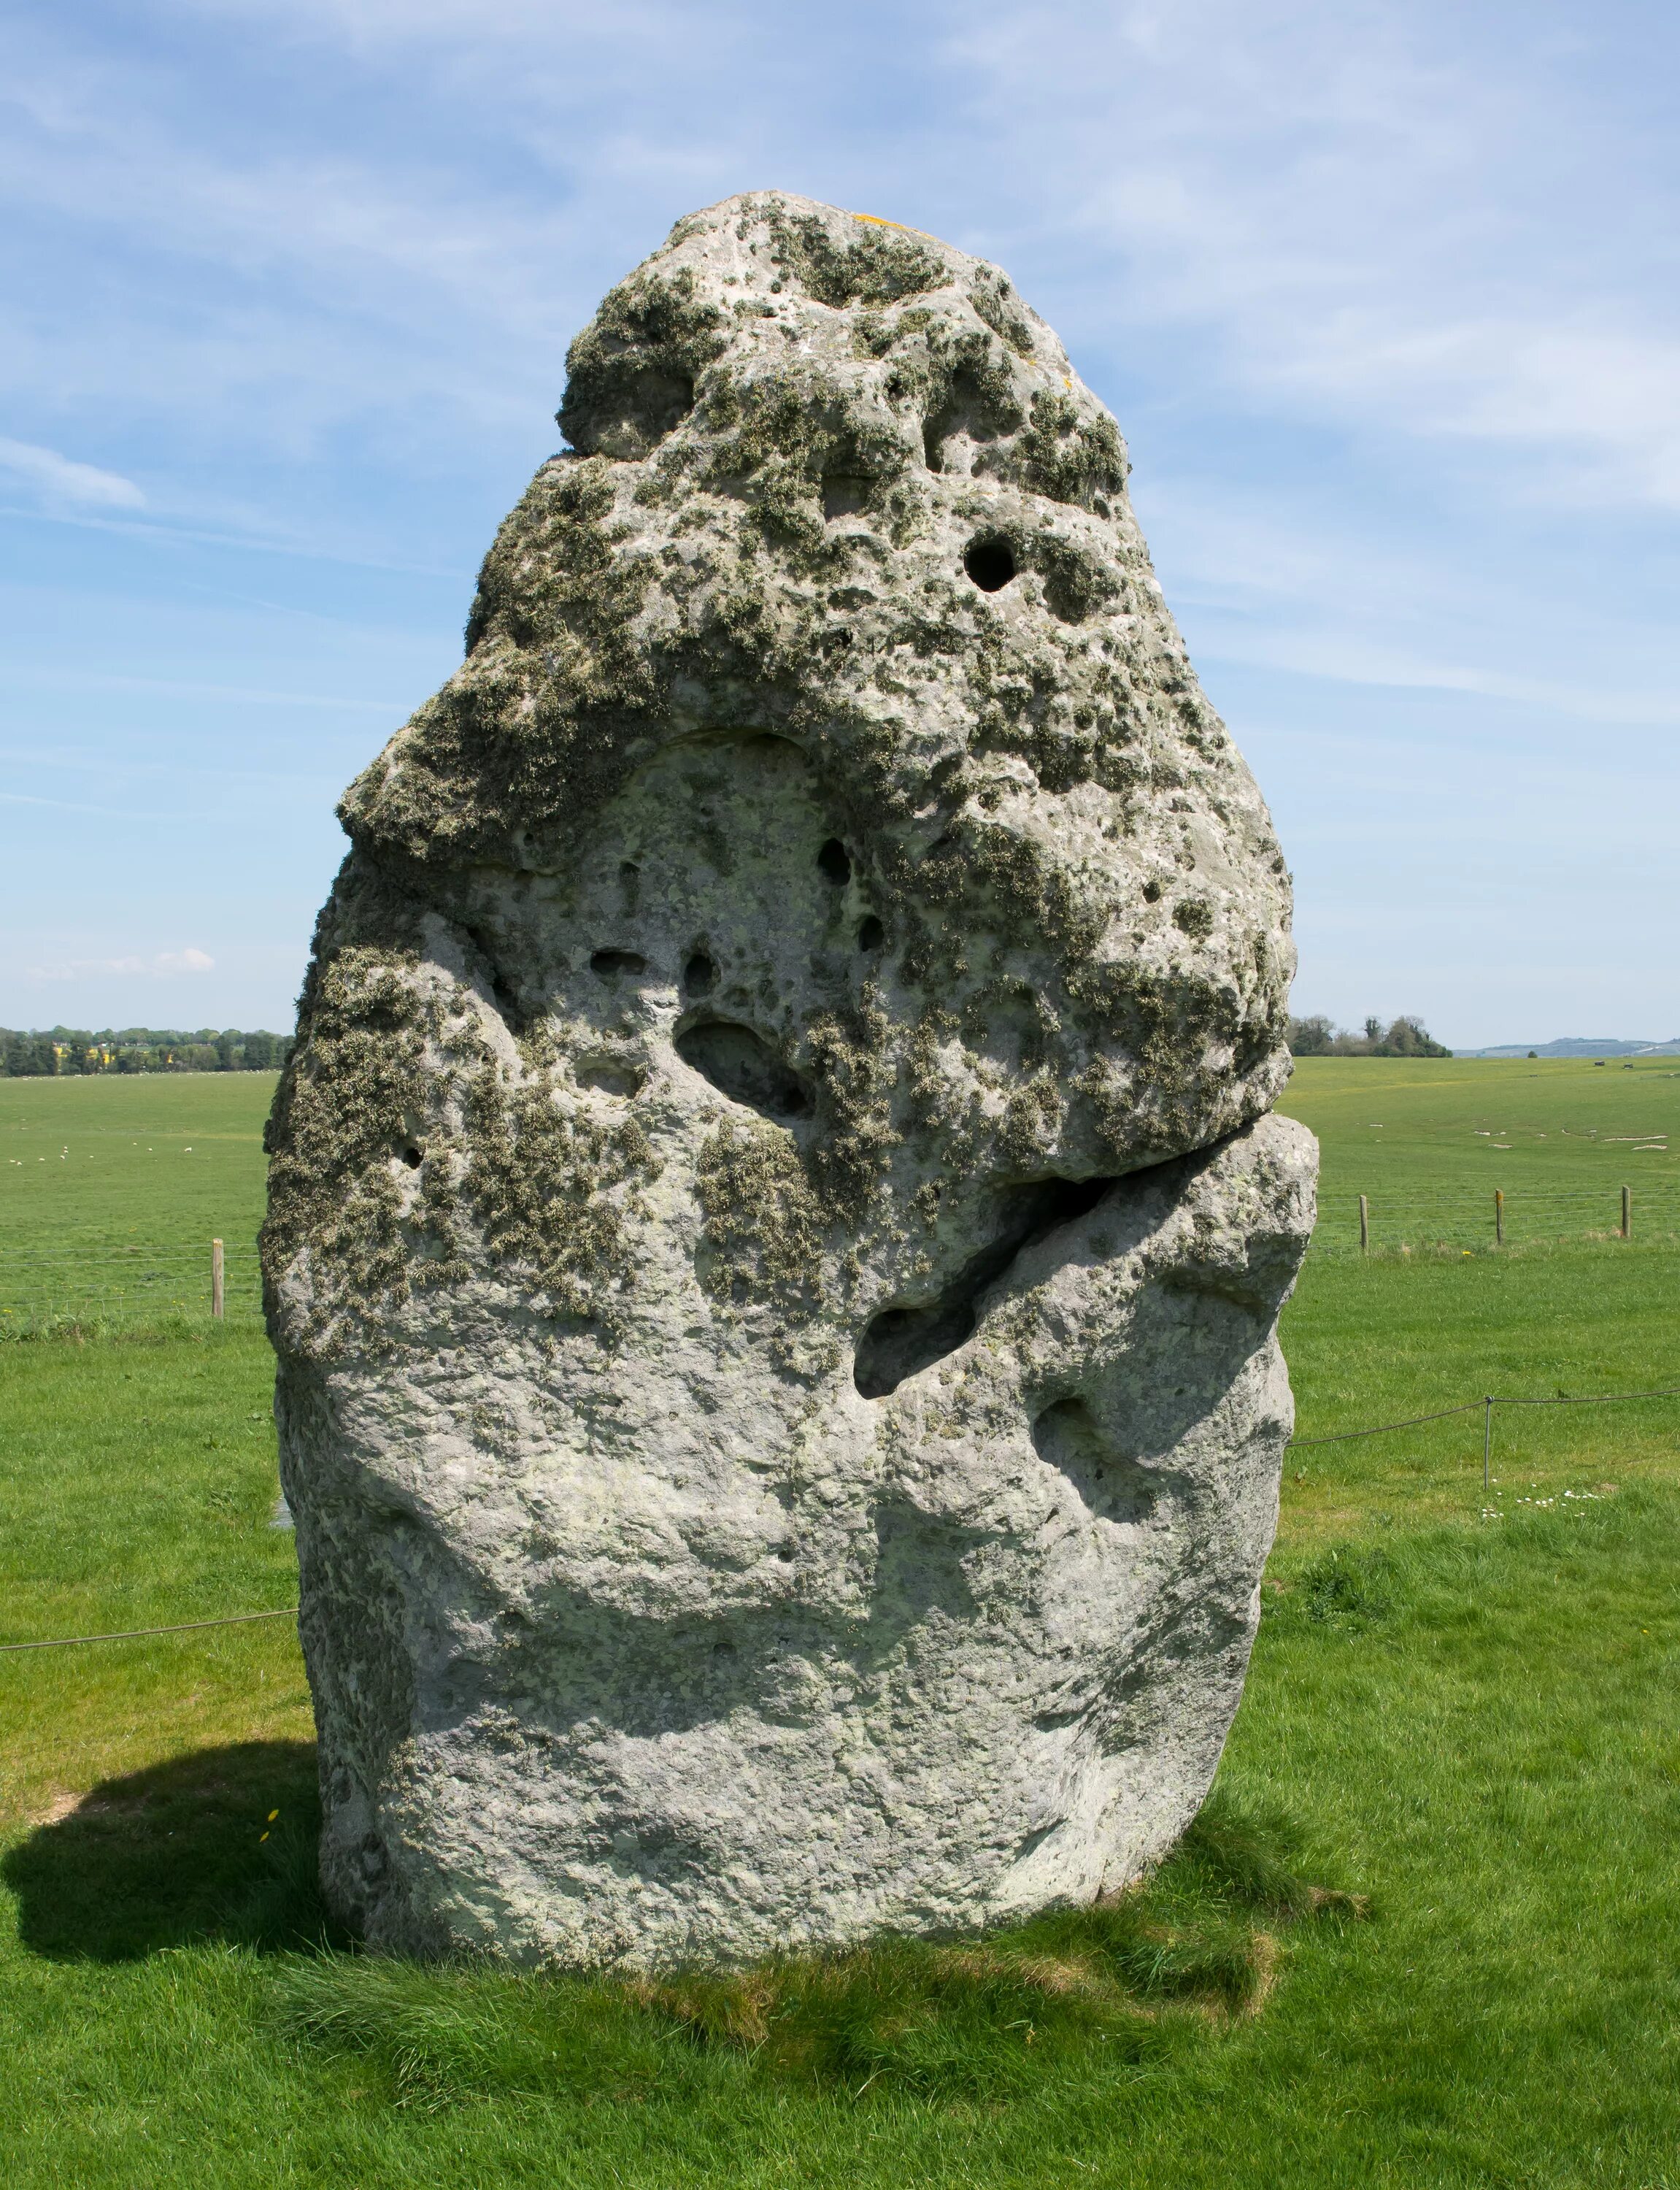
x,y
1498,1218
216,1274
1628,1212
1364,1226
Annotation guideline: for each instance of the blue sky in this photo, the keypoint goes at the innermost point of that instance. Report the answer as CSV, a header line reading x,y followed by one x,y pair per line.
x,y
1383,297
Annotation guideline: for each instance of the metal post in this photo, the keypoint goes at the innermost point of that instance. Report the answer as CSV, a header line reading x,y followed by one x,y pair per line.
x,y
215,1288
1628,1212
1487,1441
1498,1218
1364,1226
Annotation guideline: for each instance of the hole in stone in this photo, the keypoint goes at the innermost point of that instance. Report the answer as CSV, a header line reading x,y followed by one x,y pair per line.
x,y
611,962
699,975
990,562
835,862
1068,1436
744,1068
902,1342
413,1157
844,494
619,408
623,1081
870,934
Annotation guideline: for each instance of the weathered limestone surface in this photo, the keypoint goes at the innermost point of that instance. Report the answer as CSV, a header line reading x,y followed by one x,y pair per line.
x,y
776,1232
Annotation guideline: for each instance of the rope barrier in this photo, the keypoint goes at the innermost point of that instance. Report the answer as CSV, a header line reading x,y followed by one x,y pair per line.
x,y
1382,1428
1492,1399
134,1634
1589,1398
1295,1445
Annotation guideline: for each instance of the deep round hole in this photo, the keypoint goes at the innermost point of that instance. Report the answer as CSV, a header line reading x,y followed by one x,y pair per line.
x,y
870,934
699,975
990,562
835,862
412,1157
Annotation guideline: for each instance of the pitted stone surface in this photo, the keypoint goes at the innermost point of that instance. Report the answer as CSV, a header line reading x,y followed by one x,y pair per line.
x,y
775,1235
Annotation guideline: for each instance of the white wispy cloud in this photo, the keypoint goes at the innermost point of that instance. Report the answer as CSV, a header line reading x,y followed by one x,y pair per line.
x,y
162,965
1404,215
1383,291
1420,234
62,479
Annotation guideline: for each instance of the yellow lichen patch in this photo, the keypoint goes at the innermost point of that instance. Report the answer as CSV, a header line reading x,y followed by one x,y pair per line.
x,y
764,1223
541,1175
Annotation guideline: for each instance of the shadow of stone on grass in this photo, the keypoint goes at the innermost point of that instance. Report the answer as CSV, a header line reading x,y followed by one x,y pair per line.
x,y
176,1853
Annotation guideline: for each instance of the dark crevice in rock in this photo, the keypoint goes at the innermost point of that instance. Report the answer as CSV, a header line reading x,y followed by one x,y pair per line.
x,y
699,975
902,1342
611,1078
623,413
515,1017
871,935
844,494
612,962
744,1068
835,862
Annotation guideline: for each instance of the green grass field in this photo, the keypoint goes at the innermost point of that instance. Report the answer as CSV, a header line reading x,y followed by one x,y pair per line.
x,y
1427,1140
112,1188
1461,1707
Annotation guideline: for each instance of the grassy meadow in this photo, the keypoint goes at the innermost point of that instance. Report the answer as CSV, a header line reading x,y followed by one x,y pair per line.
x,y
1428,1140
112,1188
1428,1931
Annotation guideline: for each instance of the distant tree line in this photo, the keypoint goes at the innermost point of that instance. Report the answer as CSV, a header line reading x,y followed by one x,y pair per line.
x,y
1403,1037
63,1051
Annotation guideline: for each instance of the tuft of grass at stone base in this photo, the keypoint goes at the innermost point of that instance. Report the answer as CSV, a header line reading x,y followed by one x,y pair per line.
x,y
983,2020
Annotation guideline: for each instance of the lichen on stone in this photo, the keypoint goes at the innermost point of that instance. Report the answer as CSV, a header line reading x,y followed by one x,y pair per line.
x,y
631,374
1069,455
764,1221
870,267
541,1179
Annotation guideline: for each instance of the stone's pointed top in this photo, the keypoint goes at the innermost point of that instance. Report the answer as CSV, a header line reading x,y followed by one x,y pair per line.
x,y
822,277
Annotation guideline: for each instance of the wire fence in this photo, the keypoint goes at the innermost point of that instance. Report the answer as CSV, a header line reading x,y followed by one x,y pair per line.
x,y
100,1283
1483,1406
108,1282
1408,1220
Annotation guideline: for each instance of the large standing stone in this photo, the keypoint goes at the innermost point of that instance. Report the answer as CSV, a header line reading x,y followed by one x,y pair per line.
x,y
775,1235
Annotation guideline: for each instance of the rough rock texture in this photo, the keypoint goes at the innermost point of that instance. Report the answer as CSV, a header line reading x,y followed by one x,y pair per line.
x,y
775,1235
